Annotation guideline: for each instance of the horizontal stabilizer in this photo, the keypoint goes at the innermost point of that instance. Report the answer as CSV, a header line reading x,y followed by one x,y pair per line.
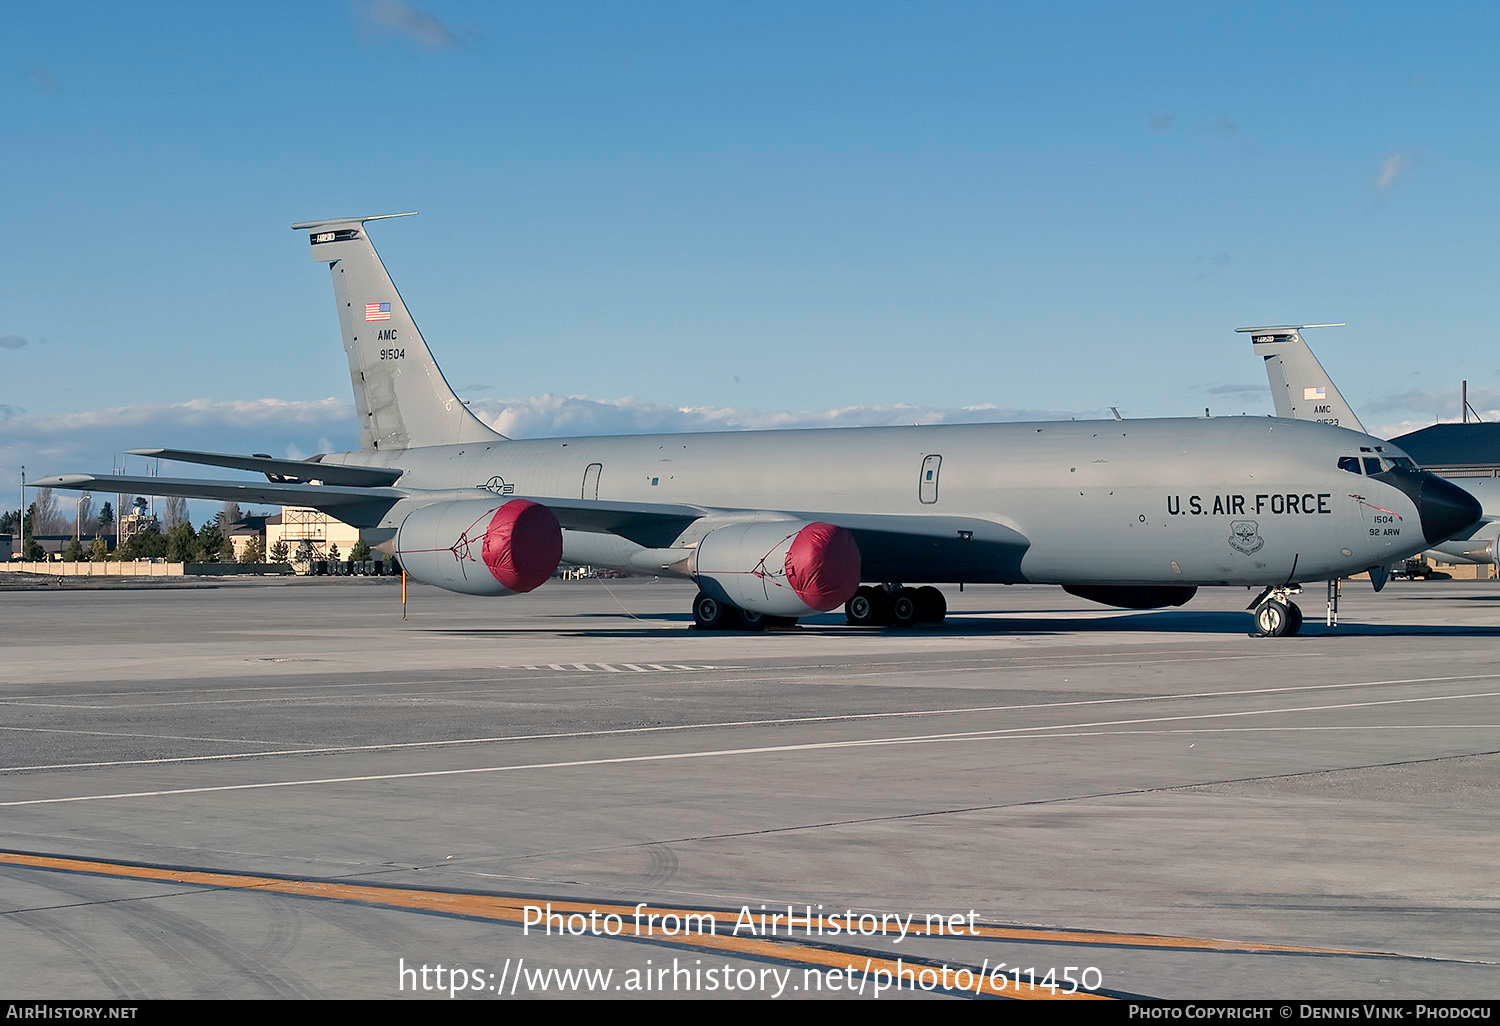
x,y
282,471
322,497
327,221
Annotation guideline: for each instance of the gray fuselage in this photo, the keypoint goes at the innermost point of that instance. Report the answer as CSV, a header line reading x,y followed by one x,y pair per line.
x,y
1235,500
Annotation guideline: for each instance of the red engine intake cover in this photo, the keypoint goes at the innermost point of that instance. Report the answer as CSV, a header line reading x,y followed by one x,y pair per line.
x,y
822,566
522,545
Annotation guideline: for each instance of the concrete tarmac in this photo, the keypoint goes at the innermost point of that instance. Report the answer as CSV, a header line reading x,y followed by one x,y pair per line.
x,y
280,789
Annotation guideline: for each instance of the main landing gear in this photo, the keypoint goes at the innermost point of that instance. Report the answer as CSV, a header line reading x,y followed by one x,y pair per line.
x,y
891,605
712,615
1276,615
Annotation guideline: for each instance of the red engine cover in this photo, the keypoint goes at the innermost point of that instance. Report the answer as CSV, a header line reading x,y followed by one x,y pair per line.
x,y
522,545
822,566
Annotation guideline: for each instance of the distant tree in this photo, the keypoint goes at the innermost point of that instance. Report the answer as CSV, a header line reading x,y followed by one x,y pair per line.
x,y
229,515
254,552
44,513
210,540
226,551
361,552
99,550
148,544
177,511
74,552
182,541
333,553
31,550
106,518
278,551
10,522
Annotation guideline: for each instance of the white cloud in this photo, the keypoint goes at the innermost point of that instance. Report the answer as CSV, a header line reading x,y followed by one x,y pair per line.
x,y
410,21
91,441
543,416
1394,166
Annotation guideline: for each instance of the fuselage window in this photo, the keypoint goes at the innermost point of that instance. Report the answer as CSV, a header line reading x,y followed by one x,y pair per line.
x,y
1372,464
1349,463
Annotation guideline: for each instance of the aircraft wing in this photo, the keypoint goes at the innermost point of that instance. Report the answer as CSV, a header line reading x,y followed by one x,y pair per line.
x,y
653,525
892,546
323,497
289,470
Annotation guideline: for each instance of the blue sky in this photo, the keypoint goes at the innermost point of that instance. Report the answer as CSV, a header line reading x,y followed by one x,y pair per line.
x,y
687,215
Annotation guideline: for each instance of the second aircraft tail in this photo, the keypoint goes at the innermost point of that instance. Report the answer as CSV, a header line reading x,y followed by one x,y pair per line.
x,y
1300,387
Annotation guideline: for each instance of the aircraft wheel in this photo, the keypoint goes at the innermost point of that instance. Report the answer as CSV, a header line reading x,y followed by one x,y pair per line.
x,y
905,608
710,614
1272,619
870,607
1294,619
751,620
932,607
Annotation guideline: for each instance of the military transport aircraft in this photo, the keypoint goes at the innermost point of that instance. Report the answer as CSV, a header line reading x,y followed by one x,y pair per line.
x,y
1301,389
775,525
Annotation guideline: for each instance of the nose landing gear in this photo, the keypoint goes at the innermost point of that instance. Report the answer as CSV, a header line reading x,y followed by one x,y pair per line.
x,y
1276,615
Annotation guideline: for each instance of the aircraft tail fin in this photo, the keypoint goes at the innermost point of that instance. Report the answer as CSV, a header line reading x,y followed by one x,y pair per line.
x,y
399,392
1300,387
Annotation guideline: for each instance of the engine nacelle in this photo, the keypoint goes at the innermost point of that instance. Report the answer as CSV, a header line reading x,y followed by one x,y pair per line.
x,y
1465,550
480,546
779,567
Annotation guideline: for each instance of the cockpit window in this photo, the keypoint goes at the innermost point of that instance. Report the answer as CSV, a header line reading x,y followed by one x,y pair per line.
x,y
1376,464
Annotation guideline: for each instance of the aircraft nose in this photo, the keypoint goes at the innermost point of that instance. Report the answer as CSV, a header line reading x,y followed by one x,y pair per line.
x,y
1445,509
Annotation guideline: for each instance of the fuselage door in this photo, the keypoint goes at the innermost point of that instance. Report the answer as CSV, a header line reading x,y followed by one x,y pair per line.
x,y
591,481
927,488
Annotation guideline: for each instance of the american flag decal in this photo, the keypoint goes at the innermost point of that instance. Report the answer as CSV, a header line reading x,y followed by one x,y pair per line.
x,y
377,311
1308,394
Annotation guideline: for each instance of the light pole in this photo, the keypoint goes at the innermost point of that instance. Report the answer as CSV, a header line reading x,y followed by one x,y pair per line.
x,y
21,521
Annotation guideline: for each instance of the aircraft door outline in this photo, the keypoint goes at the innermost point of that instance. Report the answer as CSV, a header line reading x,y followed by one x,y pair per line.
x,y
927,482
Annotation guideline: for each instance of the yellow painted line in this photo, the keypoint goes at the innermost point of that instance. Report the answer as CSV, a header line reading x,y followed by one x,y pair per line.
x,y
485,906
835,925
511,909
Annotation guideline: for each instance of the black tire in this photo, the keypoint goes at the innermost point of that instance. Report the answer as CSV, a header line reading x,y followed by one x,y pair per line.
x,y
869,607
906,609
748,620
1294,619
710,614
1272,619
932,607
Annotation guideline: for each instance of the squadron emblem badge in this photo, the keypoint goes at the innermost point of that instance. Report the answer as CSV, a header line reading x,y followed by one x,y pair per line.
x,y
1244,535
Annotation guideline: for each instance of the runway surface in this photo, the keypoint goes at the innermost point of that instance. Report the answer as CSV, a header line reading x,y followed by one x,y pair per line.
x,y
281,789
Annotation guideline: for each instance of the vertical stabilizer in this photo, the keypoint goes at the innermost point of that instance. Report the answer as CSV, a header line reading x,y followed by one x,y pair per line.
x,y
400,394
1300,387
